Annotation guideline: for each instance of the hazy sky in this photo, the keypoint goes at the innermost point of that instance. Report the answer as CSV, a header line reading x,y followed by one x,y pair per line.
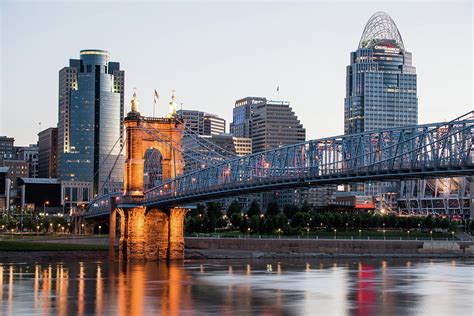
x,y
214,53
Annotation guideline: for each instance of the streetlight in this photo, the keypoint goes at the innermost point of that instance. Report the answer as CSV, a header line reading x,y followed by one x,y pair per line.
x,y
384,234
335,236
64,204
51,225
408,233
346,226
452,233
307,232
360,231
431,234
44,206
419,229
82,229
100,227
37,230
62,228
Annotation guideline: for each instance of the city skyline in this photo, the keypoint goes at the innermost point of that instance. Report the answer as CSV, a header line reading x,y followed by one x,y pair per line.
x,y
210,78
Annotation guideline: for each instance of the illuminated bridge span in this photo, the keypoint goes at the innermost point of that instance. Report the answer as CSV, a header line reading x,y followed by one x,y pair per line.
x,y
424,151
152,219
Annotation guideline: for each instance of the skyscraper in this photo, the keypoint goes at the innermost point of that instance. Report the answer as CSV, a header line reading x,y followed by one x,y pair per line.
x,y
381,81
91,108
270,124
47,153
381,89
30,155
202,123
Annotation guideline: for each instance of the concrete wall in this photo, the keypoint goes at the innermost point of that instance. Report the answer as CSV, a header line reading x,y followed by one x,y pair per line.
x,y
358,247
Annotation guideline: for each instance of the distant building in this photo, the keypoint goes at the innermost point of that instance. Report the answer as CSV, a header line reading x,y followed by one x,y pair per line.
x,y
238,145
381,90
202,123
47,153
30,155
242,117
16,169
6,147
91,111
40,194
381,81
269,124
4,193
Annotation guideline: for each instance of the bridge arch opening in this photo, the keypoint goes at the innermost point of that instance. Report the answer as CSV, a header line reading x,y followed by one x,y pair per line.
x,y
153,168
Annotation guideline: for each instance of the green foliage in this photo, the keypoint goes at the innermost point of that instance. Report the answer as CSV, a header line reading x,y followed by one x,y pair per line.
x,y
254,209
233,208
290,210
273,209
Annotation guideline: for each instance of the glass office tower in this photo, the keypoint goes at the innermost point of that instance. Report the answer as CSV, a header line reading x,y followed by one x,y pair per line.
x,y
90,129
381,81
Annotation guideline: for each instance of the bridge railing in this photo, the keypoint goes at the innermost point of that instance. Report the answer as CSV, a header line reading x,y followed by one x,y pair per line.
x,y
424,147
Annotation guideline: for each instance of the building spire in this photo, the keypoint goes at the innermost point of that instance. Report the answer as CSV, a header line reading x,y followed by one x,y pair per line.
x,y
134,101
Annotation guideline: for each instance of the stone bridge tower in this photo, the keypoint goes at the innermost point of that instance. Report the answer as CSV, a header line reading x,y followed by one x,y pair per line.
x,y
150,233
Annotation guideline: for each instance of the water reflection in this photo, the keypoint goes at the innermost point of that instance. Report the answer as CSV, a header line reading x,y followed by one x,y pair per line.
x,y
221,287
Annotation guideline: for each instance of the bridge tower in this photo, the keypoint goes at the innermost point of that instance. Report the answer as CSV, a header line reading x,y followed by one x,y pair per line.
x,y
150,233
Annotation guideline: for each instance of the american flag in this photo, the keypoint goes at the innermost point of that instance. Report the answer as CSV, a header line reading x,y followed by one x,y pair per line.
x,y
157,96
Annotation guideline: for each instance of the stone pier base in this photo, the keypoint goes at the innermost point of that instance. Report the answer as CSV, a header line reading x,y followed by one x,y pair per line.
x,y
151,234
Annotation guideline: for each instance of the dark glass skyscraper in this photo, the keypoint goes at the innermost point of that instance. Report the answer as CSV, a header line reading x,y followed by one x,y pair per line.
x,y
381,81
90,129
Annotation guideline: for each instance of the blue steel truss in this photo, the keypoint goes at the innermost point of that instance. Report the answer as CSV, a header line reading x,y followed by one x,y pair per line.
x,y
423,151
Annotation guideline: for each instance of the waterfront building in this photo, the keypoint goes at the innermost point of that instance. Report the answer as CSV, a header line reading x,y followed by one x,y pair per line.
x,y
202,123
90,129
47,153
6,147
242,116
239,146
30,155
4,193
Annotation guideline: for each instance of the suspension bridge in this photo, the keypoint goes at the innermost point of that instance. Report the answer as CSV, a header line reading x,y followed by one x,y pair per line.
x,y
182,168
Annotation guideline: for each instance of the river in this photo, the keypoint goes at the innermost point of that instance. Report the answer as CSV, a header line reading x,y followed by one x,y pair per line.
x,y
271,287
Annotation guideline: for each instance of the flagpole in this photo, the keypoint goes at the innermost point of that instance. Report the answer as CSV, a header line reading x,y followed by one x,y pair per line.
x,y
154,105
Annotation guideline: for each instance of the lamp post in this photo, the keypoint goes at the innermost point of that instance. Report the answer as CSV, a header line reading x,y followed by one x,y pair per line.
x,y
64,203
360,231
44,206
347,224
100,227
384,234
335,235
307,232
408,233
82,229
431,234
37,230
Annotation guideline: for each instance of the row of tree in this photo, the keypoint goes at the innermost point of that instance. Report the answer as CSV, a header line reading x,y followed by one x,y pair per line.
x,y
31,223
292,219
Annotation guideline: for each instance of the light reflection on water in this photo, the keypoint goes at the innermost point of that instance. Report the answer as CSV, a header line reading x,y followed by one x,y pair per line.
x,y
312,287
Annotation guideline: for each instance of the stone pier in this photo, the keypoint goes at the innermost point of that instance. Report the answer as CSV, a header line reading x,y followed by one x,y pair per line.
x,y
149,234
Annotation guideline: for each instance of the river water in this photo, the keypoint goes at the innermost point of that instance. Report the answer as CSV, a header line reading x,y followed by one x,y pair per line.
x,y
270,287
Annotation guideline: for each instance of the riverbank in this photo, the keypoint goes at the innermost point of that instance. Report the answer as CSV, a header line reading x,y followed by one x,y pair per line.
x,y
222,248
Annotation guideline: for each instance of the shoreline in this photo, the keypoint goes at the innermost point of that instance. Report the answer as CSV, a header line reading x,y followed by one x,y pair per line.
x,y
7,257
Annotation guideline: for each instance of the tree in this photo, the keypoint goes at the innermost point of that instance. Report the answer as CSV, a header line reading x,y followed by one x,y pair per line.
x,y
471,227
305,208
453,226
444,223
273,209
428,222
290,210
233,208
300,220
254,209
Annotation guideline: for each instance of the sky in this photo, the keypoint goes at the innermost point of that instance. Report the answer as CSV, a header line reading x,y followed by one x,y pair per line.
x,y
213,53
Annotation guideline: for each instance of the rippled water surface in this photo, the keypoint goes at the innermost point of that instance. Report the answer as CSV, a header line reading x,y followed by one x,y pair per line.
x,y
315,287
